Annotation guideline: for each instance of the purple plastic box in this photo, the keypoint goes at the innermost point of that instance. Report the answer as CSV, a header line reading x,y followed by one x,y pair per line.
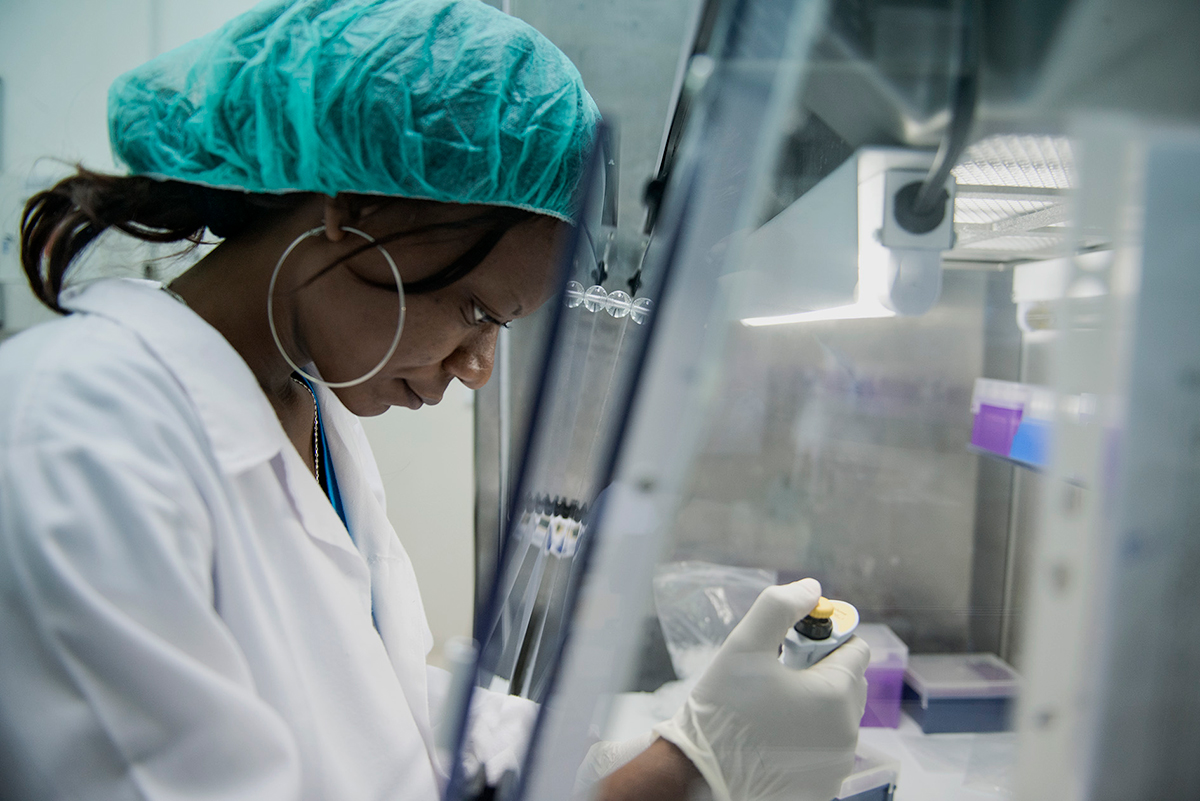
x,y
994,428
1012,420
885,675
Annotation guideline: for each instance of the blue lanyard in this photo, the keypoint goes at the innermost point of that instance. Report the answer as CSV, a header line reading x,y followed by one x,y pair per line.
x,y
329,482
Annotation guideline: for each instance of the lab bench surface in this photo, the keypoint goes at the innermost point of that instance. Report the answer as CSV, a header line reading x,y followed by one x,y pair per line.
x,y
946,767
933,767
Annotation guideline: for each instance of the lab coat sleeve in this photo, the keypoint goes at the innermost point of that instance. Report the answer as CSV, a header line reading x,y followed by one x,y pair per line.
x,y
498,730
118,680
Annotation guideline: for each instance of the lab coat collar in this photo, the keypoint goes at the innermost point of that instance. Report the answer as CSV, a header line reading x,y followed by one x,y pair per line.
x,y
242,427
237,415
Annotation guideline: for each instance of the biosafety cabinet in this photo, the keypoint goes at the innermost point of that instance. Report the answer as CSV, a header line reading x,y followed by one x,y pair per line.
x,y
913,308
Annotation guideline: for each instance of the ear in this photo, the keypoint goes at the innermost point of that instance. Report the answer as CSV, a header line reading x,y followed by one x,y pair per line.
x,y
338,212
342,210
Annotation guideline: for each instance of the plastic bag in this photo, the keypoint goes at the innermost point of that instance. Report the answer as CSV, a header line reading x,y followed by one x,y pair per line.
x,y
698,604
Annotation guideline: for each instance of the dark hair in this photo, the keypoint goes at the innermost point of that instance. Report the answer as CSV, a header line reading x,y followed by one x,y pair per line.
x,y
60,222
497,219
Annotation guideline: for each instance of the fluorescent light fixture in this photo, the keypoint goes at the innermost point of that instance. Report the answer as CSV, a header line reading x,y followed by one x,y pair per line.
x,y
1006,160
855,311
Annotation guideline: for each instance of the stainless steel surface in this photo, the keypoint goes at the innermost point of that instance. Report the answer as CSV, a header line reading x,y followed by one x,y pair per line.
x,y
838,450
996,485
1025,523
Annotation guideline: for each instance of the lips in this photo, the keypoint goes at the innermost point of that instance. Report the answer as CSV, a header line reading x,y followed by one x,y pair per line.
x,y
415,399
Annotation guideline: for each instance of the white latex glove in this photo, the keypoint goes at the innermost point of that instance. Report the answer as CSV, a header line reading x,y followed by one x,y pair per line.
x,y
758,730
498,730
606,756
498,733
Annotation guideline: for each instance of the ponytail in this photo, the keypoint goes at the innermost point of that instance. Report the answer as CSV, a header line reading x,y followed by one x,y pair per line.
x,y
60,222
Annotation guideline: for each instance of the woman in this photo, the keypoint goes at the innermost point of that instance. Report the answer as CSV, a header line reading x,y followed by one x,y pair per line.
x,y
202,594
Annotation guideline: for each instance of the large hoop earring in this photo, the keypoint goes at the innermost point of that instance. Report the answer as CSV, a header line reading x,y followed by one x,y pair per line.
x,y
271,310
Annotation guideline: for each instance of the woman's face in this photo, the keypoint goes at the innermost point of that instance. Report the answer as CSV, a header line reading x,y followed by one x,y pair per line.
x,y
344,321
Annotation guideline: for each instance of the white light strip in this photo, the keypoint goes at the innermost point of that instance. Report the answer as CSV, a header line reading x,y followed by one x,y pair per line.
x,y
855,311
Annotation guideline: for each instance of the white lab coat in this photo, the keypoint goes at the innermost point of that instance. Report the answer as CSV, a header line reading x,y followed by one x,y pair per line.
x,y
182,613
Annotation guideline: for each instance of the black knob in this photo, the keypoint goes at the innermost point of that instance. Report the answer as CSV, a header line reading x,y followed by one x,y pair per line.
x,y
815,628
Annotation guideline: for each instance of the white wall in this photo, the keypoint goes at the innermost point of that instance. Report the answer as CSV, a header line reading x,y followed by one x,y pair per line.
x,y
57,59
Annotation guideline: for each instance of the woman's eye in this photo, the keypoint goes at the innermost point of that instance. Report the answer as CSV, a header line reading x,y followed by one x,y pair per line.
x,y
480,316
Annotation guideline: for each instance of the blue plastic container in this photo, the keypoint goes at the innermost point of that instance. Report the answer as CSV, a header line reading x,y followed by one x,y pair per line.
x,y
959,692
882,793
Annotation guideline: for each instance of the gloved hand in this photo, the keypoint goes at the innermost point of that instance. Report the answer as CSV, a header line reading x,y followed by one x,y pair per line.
x,y
758,730
497,734
606,756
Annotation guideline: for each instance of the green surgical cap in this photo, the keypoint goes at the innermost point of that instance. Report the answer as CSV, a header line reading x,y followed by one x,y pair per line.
x,y
447,100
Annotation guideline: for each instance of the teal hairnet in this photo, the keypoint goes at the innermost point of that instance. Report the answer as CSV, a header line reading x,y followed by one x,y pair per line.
x,y
447,100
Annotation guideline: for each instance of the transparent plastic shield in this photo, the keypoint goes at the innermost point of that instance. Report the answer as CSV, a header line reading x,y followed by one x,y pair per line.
x,y
811,406
593,338
948,466
833,430
592,353
932,420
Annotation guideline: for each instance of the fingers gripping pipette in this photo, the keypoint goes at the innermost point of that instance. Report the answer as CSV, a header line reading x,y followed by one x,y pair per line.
x,y
829,625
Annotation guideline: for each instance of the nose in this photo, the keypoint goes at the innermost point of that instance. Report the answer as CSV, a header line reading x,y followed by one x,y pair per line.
x,y
471,362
